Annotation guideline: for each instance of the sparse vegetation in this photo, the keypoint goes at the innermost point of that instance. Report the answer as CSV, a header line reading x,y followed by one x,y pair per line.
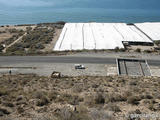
x,y
8,36
13,38
157,42
147,51
34,41
56,98
117,49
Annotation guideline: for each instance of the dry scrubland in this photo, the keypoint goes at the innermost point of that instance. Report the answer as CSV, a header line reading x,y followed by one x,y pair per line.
x,y
29,39
9,34
30,97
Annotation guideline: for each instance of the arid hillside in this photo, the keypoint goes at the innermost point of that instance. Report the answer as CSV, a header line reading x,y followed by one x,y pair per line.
x,y
31,97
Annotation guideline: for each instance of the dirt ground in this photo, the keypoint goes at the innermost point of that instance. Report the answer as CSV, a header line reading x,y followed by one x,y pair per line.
x,y
31,97
142,48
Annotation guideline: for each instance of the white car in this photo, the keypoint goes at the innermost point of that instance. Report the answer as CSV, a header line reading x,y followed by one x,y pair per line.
x,y
78,66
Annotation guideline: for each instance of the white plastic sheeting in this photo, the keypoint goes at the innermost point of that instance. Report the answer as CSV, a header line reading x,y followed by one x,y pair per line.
x,y
151,29
79,36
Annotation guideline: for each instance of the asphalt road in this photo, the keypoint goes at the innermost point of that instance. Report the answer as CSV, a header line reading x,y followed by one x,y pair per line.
x,y
55,59
4,60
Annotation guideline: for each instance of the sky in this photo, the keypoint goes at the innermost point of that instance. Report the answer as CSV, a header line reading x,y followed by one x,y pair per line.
x,y
133,4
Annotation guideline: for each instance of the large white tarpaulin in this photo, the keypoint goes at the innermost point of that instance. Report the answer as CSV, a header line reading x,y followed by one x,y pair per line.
x,y
79,36
151,29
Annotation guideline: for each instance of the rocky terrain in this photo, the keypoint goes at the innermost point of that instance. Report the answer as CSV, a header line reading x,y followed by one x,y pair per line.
x,y
32,97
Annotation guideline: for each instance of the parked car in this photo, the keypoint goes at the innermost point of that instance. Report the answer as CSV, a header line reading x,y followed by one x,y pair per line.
x,y
79,66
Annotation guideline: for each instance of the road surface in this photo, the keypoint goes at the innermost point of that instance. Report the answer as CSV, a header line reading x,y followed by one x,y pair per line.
x,y
4,60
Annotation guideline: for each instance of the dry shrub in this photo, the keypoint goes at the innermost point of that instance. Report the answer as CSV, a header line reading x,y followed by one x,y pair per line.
x,y
116,98
81,109
133,82
134,100
4,111
43,101
77,88
138,50
88,100
3,91
67,98
101,115
67,114
52,95
20,110
95,86
99,98
113,107
153,106
94,99
148,96
39,94
42,98
8,104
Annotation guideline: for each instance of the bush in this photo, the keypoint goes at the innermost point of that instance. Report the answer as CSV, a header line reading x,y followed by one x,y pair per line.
x,y
39,46
116,49
61,22
147,51
71,99
42,98
157,42
113,107
29,29
53,95
42,101
134,100
99,99
138,50
1,48
116,98
13,30
4,111
2,32
3,92
20,110
147,96
8,104
16,47
122,50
